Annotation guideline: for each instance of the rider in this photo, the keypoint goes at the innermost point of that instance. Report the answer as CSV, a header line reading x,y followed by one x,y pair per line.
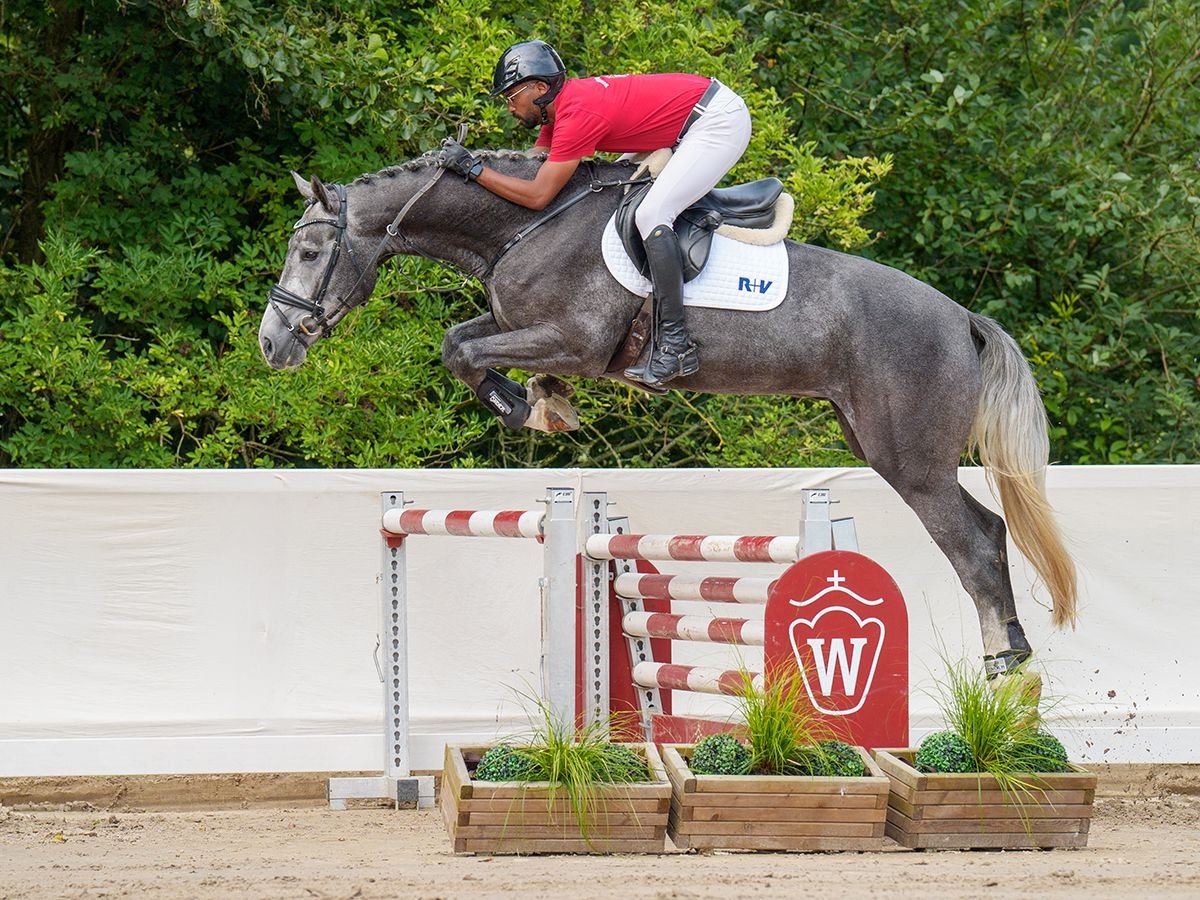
x,y
706,123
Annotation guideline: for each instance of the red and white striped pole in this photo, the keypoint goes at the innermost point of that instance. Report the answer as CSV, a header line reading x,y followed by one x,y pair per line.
x,y
512,523
747,632
699,679
765,548
712,589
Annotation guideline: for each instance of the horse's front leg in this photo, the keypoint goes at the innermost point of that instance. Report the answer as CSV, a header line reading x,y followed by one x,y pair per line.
x,y
473,351
470,330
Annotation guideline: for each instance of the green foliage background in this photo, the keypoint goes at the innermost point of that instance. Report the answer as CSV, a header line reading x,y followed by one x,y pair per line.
x,y
1037,160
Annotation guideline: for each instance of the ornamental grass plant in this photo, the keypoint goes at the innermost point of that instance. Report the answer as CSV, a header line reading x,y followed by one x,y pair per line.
x,y
573,762
783,726
786,734
998,722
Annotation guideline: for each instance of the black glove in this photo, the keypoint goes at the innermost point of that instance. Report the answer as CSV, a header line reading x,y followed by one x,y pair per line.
x,y
457,158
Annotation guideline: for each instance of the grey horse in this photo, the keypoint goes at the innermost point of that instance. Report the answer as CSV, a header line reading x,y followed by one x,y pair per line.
x,y
914,378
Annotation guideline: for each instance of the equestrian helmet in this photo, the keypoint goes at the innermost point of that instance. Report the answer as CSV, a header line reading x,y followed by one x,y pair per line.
x,y
529,60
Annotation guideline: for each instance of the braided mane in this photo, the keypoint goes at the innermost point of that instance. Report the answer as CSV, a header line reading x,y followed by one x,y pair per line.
x,y
430,158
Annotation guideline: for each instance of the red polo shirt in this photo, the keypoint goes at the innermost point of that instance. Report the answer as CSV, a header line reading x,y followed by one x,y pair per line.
x,y
619,114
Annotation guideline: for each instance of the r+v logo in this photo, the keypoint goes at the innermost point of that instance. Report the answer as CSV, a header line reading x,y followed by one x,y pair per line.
x,y
760,286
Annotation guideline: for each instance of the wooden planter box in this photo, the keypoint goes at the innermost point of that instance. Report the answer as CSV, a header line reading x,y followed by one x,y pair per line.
x,y
968,811
774,812
496,817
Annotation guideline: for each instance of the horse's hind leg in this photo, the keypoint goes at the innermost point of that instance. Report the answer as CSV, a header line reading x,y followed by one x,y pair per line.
x,y
973,540
919,459
1018,648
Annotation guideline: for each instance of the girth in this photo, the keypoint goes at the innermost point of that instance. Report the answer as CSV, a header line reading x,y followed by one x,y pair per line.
x,y
749,205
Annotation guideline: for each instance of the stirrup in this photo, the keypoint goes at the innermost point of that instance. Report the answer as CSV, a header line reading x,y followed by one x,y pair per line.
x,y
655,373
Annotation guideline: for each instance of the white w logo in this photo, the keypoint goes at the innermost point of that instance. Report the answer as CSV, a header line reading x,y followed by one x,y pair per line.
x,y
848,664
837,661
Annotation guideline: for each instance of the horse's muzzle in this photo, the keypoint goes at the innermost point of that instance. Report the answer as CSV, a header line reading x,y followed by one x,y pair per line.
x,y
281,348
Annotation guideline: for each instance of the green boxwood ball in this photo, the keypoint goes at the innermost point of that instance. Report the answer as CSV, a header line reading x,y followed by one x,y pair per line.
x,y
807,761
624,764
505,763
842,760
720,754
1044,752
945,751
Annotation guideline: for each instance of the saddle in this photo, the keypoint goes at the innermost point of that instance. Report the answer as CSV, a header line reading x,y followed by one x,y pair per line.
x,y
758,212
758,207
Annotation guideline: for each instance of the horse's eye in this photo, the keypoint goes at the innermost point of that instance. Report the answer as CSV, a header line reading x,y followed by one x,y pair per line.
x,y
309,255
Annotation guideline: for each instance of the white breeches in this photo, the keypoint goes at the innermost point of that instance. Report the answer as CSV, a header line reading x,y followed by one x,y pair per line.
x,y
711,147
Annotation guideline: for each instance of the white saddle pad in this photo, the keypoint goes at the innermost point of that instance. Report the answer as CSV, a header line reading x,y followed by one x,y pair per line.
x,y
736,276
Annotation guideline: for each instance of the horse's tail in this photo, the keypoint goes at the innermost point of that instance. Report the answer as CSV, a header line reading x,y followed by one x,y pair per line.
x,y
1011,437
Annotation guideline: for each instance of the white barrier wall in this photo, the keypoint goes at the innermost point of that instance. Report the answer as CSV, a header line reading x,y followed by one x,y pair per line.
x,y
225,621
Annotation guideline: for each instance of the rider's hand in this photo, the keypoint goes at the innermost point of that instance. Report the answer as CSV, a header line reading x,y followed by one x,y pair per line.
x,y
457,158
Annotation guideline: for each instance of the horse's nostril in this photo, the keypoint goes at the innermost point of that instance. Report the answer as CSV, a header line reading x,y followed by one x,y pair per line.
x,y
266,344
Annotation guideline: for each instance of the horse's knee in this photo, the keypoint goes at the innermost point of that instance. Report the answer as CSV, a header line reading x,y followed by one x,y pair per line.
x,y
450,349
465,358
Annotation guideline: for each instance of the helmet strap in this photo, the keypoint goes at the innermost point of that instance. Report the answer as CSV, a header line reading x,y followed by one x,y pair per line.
x,y
541,103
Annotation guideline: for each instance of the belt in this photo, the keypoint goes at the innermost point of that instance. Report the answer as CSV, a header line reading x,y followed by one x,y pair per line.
x,y
700,108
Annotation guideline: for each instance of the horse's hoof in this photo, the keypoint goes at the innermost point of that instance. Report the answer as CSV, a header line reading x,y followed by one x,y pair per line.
x,y
1031,687
552,415
1028,686
541,387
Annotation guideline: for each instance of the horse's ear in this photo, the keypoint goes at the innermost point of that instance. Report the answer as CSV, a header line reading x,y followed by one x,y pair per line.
x,y
321,194
313,190
303,186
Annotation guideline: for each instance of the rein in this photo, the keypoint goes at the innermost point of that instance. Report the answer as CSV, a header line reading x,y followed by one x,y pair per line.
x,y
315,321
594,187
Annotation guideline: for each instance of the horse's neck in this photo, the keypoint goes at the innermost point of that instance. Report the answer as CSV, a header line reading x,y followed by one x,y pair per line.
x,y
462,224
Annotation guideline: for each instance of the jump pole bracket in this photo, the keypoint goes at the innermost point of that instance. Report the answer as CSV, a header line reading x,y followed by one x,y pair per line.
x,y
397,783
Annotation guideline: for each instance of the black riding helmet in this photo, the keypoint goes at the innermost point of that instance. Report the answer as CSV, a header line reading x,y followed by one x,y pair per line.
x,y
530,60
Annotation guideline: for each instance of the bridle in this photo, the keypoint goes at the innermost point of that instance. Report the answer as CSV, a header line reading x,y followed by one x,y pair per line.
x,y
315,321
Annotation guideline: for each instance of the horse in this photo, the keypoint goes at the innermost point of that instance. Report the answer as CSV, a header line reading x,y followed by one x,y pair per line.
x,y
914,379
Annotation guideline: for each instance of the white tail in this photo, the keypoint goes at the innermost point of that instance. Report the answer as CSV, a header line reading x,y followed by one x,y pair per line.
x,y
1011,438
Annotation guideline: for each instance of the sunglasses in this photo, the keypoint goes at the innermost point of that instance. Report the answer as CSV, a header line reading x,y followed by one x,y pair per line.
x,y
509,99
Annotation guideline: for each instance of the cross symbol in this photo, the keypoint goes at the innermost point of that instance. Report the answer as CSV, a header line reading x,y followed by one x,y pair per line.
x,y
836,580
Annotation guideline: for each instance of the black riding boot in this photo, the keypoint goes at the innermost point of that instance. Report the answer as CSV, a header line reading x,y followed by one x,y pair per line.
x,y
672,353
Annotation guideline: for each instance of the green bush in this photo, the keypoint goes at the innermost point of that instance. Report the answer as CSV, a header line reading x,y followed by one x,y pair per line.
x,y
720,754
623,764
505,763
804,762
1041,752
841,760
945,751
